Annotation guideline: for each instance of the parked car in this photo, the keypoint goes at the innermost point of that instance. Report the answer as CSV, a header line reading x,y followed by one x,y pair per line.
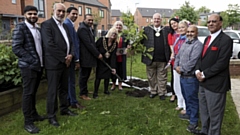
x,y
235,36
203,32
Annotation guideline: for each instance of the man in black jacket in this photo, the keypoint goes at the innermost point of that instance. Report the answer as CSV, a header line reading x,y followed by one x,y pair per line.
x,y
88,52
26,45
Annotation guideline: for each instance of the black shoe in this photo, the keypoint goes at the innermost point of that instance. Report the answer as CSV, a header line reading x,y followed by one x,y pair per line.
x,y
38,118
31,128
192,127
53,122
184,117
153,95
162,97
95,95
69,113
107,92
198,132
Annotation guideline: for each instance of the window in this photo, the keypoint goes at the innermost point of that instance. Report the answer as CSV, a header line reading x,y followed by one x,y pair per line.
x,y
118,19
101,13
14,1
146,20
71,5
80,10
102,27
88,11
40,6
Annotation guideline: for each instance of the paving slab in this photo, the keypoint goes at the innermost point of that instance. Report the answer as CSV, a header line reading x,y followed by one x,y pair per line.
x,y
235,93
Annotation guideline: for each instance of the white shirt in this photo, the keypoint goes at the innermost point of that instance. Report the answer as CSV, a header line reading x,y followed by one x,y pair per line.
x,y
37,39
64,33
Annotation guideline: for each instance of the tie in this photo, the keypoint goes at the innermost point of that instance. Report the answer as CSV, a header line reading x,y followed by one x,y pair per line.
x,y
206,46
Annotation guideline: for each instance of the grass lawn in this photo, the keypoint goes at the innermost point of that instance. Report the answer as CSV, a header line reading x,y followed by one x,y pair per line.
x,y
119,114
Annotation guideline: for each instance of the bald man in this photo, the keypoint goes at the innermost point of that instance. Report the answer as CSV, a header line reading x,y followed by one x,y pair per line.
x,y
156,73
213,75
185,62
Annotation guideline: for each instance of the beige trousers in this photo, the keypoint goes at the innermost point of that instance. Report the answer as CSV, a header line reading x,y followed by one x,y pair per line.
x,y
157,78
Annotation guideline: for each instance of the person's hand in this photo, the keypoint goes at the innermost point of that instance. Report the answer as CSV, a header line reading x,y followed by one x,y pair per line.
x,y
178,69
68,60
77,66
128,46
172,56
114,71
199,76
100,56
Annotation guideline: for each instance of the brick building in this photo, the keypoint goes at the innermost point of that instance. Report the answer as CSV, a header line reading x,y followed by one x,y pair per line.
x,y
11,12
116,15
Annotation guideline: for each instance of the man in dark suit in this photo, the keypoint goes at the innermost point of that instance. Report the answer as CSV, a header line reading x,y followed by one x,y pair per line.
x,y
72,14
213,75
88,54
26,44
156,73
58,53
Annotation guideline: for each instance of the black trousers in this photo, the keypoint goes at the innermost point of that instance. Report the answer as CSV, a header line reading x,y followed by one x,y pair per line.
x,y
173,92
31,80
57,86
97,83
84,76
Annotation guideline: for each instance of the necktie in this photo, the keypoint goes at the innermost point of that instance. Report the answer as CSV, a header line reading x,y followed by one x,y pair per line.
x,y
206,46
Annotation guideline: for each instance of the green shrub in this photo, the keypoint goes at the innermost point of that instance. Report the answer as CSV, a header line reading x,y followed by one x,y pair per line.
x,y
9,71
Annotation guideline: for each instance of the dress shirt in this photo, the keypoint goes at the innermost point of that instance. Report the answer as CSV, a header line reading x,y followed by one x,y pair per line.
x,y
37,39
64,33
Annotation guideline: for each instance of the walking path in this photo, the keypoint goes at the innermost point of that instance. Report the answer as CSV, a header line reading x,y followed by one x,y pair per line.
x,y
235,92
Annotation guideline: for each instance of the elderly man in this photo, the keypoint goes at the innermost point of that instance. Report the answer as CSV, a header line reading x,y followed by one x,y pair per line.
x,y
27,45
58,53
213,75
156,73
185,62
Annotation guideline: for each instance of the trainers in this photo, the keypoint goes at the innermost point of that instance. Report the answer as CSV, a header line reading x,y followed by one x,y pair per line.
x,y
192,128
184,117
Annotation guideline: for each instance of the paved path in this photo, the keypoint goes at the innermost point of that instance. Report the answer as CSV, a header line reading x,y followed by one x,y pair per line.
x,y
235,92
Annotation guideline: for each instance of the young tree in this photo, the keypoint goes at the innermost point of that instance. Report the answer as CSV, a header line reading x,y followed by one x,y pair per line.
x,y
225,19
233,14
187,12
203,9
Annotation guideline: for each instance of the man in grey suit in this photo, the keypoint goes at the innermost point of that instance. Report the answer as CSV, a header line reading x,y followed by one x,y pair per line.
x,y
213,75
156,73
58,54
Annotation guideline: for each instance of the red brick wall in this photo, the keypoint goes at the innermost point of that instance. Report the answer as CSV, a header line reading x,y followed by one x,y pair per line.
x,y
235,67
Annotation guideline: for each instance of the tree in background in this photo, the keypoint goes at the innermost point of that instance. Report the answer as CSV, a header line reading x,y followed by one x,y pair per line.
x,y
225,19
233,14
187,12
203,9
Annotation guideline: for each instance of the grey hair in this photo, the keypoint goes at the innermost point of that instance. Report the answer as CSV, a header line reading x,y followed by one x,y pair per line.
x,y
158,15
116,23
55,4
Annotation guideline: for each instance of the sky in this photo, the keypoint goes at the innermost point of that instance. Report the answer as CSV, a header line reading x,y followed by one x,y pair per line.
x,y
213,5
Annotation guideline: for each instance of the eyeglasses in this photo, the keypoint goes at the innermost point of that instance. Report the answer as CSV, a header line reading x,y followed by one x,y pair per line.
x,y
32,13
213,21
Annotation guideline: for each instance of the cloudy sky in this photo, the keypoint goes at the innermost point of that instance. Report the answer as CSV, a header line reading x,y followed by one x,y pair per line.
x,y
213,5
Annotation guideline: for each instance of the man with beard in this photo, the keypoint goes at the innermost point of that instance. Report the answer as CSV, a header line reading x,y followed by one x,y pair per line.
x,y
58,54
88,54
72,14
26,44
185,62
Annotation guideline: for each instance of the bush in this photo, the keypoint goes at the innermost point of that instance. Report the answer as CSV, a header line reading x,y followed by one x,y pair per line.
x,y
9,72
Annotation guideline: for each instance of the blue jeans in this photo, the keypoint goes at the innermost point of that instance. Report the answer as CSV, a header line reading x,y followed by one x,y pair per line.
x,y
190,86
71,84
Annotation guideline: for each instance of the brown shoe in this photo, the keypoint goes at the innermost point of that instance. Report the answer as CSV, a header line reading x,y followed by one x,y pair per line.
x,y
84,97
78,106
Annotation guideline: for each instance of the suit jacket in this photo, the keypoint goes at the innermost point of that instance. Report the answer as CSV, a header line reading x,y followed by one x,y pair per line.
x,y
88,50
23,46
215,64
74,37
54,45
149,42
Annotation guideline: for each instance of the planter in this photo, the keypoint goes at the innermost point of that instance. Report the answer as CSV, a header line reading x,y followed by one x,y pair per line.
x,y
11,100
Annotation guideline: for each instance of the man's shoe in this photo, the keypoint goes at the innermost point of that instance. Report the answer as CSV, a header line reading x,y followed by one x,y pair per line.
x,y
192,127
84,97
107,92
78,106
53,122
31,128
184,117
38,118
69,113
198,132
153,95
162,97
95,96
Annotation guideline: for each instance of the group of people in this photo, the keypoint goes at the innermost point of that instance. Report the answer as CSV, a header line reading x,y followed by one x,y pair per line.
x,y
200,71
60,50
